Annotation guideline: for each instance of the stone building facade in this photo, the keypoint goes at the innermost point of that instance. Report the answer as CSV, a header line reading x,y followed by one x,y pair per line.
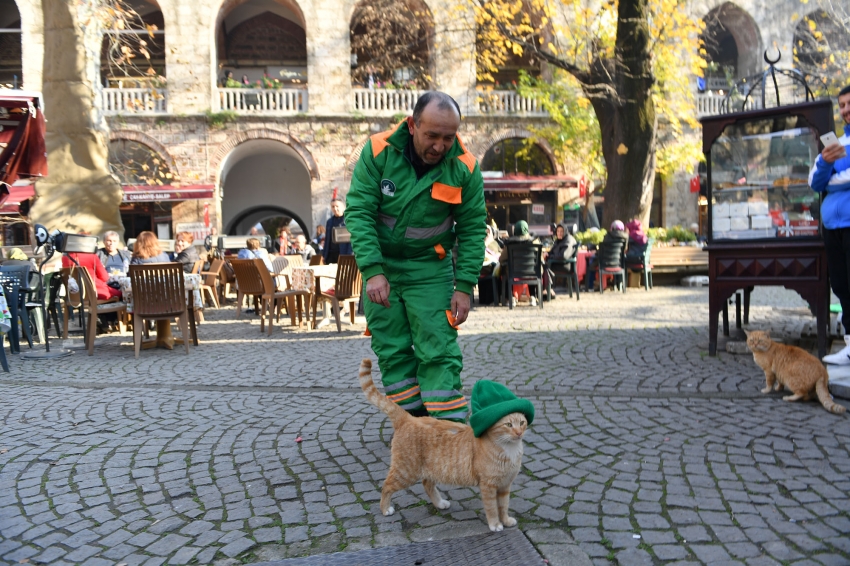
x,y
287,150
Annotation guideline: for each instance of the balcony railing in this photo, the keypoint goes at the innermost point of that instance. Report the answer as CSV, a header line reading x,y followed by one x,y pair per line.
x,y
709,104
385,101
508,102
263,100
133,101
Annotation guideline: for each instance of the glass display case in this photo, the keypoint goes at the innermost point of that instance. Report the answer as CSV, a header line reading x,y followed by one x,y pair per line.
x,y
763,219
758,175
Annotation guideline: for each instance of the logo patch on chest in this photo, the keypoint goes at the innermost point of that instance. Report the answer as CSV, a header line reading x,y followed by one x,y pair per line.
x,y
388,187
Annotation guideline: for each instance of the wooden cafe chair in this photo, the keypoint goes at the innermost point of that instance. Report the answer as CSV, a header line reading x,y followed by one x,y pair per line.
x,y
159,293
347,287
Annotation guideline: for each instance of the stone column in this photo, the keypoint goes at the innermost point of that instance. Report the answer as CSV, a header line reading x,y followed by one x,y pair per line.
x,y
453,54
190,54
328,58
32,42
79,194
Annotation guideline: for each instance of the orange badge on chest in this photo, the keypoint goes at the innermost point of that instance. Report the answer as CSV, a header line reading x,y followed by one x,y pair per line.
x,y
446,193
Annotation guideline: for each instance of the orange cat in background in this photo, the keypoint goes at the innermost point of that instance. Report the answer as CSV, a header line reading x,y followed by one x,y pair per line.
x,y
793,367
487,454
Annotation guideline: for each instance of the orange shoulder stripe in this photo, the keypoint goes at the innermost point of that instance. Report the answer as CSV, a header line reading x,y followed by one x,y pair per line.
x,y
379,142
466,158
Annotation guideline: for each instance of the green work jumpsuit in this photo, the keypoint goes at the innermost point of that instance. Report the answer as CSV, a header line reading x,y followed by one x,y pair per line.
x,y
405,229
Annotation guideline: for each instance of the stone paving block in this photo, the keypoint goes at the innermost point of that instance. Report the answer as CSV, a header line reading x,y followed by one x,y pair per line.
x,y
167,545
237,547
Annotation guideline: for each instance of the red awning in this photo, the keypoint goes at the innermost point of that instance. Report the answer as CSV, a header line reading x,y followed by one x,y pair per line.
x,y
22,130
525,183
17,195
150,193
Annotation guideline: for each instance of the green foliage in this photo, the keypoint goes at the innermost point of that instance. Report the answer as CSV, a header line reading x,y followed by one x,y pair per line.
x,y
574,136
219,119
673,234
590,237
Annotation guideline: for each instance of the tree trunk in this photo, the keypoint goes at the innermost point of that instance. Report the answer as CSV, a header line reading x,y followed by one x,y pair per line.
x,y
628,124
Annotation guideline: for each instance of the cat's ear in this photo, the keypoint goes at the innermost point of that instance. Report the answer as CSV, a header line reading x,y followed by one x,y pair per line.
x,y
747,333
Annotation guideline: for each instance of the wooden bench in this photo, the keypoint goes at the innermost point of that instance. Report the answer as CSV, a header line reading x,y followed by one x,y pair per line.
x,y
678,258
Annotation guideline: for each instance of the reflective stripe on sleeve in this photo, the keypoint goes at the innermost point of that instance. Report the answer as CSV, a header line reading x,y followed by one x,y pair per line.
x,y
425,233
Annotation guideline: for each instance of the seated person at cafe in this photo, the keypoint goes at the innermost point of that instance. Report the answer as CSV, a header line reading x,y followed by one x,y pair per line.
x,y
301,247
97,272
563,248
148,250
187,253
252,250
113,259
520,235
617,232
638,241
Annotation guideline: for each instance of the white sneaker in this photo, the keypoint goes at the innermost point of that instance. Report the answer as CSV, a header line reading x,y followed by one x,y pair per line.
x,y
841,358
533,301
513,302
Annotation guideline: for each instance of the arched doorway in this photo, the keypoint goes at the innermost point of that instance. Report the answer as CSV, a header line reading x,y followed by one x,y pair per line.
x,y
11,61
821,52
265,184
391,44
519,184
262,41
733,46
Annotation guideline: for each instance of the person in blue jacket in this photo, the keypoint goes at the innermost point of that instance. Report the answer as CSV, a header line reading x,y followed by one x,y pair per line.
x,y
830,176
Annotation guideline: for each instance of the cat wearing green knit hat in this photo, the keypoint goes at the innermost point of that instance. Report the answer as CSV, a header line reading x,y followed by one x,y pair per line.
x,y
486,453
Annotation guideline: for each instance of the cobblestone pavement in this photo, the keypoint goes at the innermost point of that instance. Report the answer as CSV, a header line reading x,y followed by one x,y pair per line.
x,y
644,449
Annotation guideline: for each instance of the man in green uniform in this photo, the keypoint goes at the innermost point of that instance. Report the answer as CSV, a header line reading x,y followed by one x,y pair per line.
x,y
415,192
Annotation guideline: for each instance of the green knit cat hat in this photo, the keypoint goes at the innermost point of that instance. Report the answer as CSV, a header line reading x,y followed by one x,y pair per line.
x,y
491,401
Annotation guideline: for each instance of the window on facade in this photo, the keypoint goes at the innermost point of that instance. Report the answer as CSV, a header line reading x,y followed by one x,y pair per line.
x,y
821,48
391,44
507,63
134,163
11,66
262,44
134,56
514,155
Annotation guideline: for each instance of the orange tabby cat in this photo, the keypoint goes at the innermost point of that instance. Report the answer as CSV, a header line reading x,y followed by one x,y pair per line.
x,y
435,451
793,367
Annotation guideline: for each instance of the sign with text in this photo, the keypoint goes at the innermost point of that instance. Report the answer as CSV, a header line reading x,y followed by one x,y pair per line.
x,y
198,230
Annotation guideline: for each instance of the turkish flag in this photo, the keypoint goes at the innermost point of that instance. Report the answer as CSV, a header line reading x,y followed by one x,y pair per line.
x,y
695,184
207,215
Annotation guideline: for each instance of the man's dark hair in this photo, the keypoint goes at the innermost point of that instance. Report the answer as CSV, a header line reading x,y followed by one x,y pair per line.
x,y
842,92
442,100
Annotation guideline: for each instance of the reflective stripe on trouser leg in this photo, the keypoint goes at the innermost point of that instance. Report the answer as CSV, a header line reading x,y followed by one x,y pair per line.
x,y
393,344
436,348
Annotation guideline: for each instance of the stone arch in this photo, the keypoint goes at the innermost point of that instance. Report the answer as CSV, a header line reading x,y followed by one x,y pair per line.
x,y
32,42
263,134
737,24
480,149
144,139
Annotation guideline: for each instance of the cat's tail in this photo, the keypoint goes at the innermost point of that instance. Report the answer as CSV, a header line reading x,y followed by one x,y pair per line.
x,y
825,398
376,397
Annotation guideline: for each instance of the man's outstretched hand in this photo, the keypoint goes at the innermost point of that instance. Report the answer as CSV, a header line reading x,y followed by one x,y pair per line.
x,y
378,290
460,307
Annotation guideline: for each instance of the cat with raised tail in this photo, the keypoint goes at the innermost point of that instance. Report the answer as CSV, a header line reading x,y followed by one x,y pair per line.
x,y
487,453
791,367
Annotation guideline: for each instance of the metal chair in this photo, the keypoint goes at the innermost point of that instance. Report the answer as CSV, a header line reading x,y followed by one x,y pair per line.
x,y
610,260
487,277
159,293
15,279
524,267
567,268
644,266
